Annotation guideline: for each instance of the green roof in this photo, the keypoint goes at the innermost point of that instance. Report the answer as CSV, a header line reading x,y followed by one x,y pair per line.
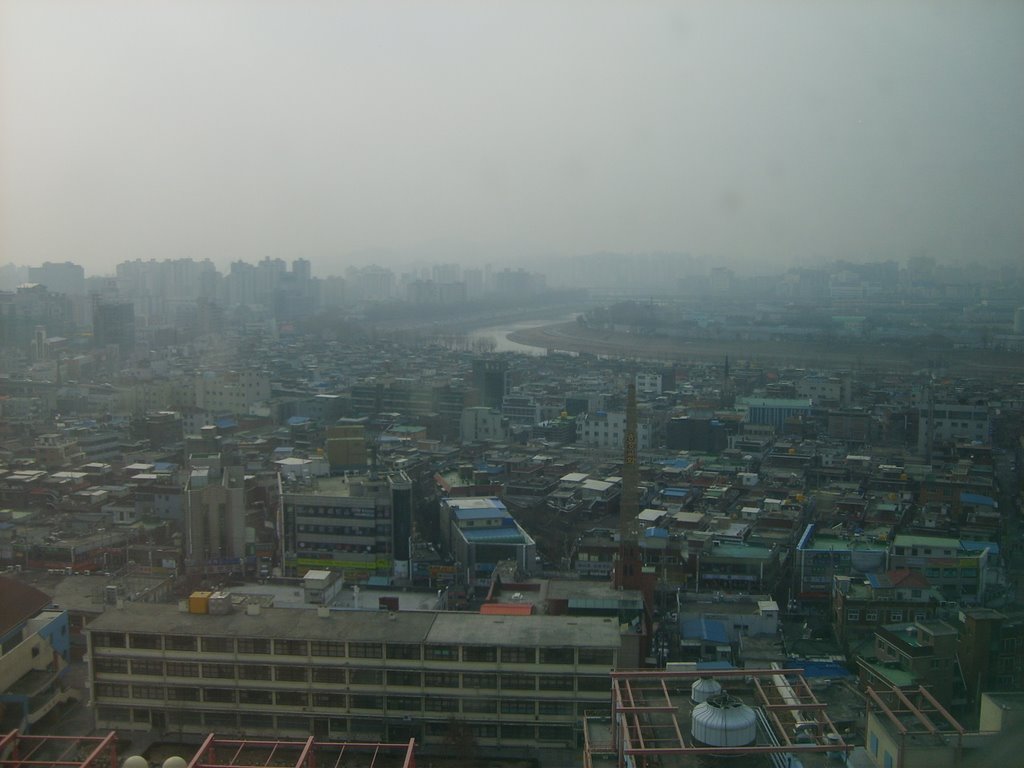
x,y
904,540
740,551
897,677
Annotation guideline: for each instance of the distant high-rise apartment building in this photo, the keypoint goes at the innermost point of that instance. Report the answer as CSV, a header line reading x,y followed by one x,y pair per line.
x,y
64,278
113,324
490,380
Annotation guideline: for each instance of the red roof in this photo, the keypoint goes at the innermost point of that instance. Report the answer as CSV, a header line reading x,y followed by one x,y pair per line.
x,y
906,579
507,609
19,602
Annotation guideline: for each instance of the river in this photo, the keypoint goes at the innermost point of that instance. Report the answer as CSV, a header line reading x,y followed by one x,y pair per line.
x,y
499,333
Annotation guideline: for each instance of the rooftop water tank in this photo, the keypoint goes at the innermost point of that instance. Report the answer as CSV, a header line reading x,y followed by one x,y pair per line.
x,y
724,721
704,688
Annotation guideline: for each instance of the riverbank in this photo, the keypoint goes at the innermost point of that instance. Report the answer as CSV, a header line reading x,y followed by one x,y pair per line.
x,y
842,353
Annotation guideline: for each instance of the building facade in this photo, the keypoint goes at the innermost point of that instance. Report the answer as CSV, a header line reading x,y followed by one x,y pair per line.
x,y
513,681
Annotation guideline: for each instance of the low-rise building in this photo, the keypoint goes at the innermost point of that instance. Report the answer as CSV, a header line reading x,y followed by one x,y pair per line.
x,y
34,656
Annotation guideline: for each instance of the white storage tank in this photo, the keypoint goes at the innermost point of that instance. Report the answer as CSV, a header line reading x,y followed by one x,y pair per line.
x,y
704,688
724,721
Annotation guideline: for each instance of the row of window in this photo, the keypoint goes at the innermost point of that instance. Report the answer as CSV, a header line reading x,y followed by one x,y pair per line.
x,y
334,649
361,513
349,727
418,704
335,675
894,616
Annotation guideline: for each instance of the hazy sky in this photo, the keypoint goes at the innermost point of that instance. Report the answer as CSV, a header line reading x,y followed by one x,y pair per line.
x,y
751,129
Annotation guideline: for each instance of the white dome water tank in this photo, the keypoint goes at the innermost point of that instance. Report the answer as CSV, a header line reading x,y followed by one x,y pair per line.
x,y
724,721
704,688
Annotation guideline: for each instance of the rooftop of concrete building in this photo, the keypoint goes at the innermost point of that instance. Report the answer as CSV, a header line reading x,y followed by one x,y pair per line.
x,y
368,626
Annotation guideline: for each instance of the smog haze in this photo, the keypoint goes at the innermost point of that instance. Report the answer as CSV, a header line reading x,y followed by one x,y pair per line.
x,y
754,132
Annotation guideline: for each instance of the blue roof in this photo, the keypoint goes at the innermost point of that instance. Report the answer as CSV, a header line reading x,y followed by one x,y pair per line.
x,y
680,492
503,535
702,665
829,669
656,533
978,546
710,630
294,421
164,466
490,469
481,514
225,423
977,498
676,463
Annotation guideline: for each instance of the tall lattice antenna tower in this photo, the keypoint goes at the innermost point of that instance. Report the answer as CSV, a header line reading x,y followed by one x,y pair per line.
x,y
628,563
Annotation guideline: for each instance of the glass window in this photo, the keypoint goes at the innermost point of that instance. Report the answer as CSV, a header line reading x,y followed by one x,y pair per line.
x,y
441,704
518,707
253,672
112,690
291,699
483,706
441,679
555,707
403,651
151,668
291,648
366,677
182,694
518,655
521,683
596,656
145,641
108,639
330,700
556,682
367,702
329,675
365,650
218,644
327,648
404,677
180,643
441,653
482,680
484,653
224,671
593,684
253,645
516,731
110,665
290,674
247,696
557,655
405,704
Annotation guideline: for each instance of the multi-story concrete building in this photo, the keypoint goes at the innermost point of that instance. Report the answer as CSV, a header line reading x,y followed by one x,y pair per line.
x,y
862,605
481,424
479,533
514,681
215,512
607,430
954,567
822,557
358,524
233,392
774,412
991,650
909,655
944,423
